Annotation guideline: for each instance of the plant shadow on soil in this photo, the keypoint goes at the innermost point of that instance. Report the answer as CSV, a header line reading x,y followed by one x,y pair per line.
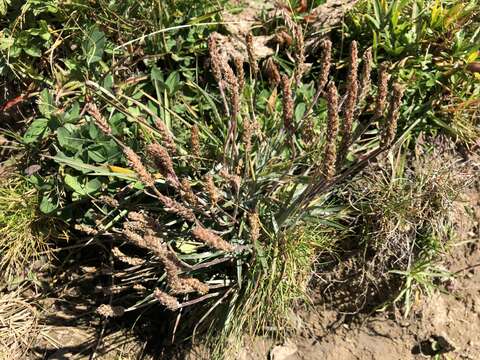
x,y
75,297
150,332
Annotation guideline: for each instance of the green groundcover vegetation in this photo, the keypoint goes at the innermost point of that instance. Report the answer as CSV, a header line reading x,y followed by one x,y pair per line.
x,y
208,176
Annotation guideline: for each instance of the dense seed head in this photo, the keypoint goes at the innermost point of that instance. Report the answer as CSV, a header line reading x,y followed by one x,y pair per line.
x,y
393,113
233,86
351,102
209,238
215,58
211,190
326,63
254,221
142,222
187,193
251,54
129,260
271,69
137,165
233,179
164,162
366,70
240,73
188,285
86,229
382,90
332,130
166,300
287,104
172,206
300,66
308,132
247,135
108,311
101,122
195,140
178,285
110,201
166,136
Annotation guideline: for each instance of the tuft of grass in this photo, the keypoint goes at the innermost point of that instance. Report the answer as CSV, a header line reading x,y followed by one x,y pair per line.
x,y
23,234
404,216
278,281
20,325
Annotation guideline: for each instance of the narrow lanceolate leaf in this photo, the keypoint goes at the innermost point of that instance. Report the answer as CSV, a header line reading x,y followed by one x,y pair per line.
x,y
93,170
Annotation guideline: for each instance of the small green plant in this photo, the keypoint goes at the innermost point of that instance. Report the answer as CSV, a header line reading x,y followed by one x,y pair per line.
x,y
418,278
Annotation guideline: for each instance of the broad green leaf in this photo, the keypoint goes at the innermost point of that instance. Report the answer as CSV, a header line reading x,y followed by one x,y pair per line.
x,y
47,205
36,130
94,45
73,183
92,169
172,82
299,111
32,50
68,140
45,103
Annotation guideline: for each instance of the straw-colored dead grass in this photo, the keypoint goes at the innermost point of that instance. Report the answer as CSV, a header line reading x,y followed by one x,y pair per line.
x,y
19,327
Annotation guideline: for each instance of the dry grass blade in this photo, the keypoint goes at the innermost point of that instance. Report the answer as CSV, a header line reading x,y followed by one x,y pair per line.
x,y
19,326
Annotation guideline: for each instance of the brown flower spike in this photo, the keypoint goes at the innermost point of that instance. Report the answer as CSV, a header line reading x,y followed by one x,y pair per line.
x,y
332,129
272,72
240,73
211,190
381,100
101,122
352,94
393,113
164,162
211,239
170,302
195,140
138,166
166,136
251,54
326,63
366,70
287,105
